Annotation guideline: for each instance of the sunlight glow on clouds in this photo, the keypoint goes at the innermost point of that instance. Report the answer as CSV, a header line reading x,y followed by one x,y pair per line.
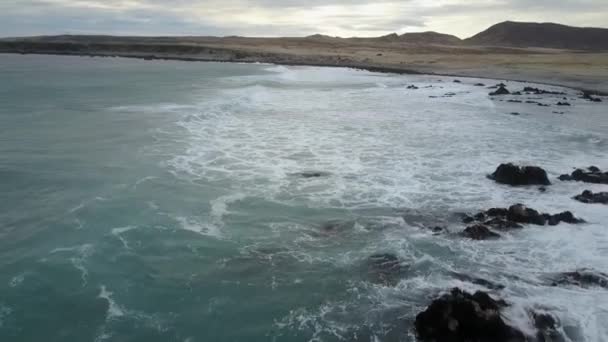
x,y
287,17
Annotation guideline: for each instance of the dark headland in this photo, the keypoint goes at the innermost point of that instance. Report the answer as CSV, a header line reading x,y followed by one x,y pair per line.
x,y
536,52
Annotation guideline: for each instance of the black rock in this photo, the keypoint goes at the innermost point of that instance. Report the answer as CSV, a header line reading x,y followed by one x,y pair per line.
x,y
515,113
412,87
592,175
502,224
547,327
542,189
515,175
512,218
479,85
590,197
542,105
457,81
479,232
563,104
566,216
500,91
514,101
581,278
522,214
460,316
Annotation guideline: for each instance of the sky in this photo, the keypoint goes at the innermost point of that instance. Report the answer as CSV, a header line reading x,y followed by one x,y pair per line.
x,y
271,18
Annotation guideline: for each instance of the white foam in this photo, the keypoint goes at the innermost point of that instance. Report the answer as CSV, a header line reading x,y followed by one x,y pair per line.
x,y
119,231
83,252
114,310
194,225
383,146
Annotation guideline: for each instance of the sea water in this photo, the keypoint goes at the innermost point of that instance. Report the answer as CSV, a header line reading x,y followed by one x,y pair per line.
x,y
166,201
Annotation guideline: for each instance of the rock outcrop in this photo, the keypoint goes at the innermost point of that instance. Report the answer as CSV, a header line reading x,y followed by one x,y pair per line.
x,y
591,175
589,197
581,278
520,175
460,316
479,232
502,90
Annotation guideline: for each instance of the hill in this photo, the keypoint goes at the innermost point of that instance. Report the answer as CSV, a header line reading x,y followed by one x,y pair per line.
x,y
544,35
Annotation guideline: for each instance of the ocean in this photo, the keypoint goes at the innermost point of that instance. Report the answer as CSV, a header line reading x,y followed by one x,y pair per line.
x,y
176,201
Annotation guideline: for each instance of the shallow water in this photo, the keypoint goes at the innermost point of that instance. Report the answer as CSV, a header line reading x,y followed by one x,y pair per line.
x,y
165,201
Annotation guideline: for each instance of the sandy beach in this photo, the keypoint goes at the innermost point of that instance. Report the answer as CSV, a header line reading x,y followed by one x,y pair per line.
x,y
582,70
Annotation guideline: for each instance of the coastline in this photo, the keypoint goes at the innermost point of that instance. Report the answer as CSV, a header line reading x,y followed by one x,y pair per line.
x,y
320,61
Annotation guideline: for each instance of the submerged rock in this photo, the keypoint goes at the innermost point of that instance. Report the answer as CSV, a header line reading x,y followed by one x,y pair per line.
x,y
502,90
479,232
538,91
588,96
590,197
460,316
312,174
591,175
581,278
412,87
384,269
479,85
478,281
515,175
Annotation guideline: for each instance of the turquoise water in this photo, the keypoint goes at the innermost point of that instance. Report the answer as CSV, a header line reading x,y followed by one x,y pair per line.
x,y
164,201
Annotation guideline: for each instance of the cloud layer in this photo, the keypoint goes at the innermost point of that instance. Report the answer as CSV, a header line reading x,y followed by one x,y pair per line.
x,y
285,17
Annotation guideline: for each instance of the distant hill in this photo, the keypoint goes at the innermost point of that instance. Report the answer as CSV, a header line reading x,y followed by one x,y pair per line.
x,y
544,35
422,38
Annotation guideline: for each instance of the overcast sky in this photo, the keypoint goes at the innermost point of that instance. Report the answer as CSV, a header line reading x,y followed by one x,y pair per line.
x,y
286,17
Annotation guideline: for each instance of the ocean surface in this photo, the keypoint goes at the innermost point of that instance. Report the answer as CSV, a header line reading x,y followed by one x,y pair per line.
x,y
193,202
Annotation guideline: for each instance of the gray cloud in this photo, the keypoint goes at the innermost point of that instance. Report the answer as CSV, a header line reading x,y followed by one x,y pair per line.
x,y
284,18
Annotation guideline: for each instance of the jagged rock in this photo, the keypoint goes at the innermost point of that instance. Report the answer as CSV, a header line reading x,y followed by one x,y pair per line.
x,y
566,216
581,278
512,218
479,232
522,214
500,91
412,87
515,175
460,316
590,197
592,175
